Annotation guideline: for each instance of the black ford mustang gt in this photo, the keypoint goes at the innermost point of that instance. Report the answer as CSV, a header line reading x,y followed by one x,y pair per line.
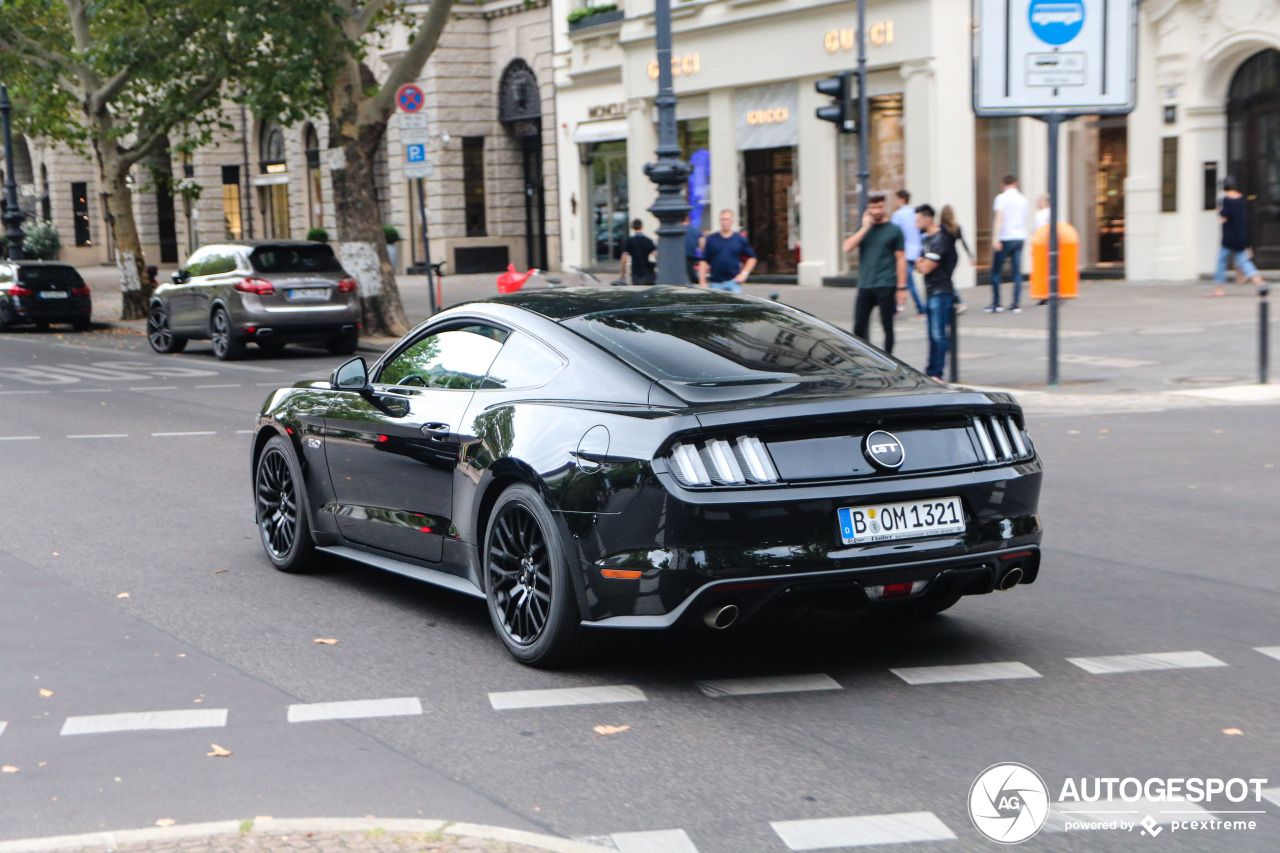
x,y
628,457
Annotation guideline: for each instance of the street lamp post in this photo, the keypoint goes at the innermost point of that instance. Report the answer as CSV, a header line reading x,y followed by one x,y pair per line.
x,y
669,172
12,215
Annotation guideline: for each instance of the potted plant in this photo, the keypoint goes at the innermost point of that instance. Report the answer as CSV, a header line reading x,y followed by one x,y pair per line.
x,y
318,235
393,237
590,16
42,241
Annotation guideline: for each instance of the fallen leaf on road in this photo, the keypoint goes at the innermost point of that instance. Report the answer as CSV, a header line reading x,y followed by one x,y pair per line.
x,y
46,693
166,821
42,764
1232,732
1073,432
118,779
220,571
9,768
610,730
323,641
55,553
123,595
218,752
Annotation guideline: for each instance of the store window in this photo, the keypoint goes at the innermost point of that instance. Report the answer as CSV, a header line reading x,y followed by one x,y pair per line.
x,y
1113,166
473,185
609,203
886,160
1169,174
315,184
695,149
274,190
996,155
231,203
80,212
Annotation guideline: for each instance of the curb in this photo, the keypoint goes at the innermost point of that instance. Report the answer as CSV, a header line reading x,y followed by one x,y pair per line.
x,y
111,840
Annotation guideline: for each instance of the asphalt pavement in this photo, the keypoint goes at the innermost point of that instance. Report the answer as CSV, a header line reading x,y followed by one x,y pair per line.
x,y
143,629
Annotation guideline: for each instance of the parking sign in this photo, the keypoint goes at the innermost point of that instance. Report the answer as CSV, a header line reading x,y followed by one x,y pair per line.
x,y
1035,57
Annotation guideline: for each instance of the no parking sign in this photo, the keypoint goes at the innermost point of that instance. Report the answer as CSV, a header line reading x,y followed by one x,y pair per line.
x,y
409,98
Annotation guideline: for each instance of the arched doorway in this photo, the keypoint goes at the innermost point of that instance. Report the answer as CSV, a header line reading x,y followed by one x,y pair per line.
x,y
1253,149
520,111
273,183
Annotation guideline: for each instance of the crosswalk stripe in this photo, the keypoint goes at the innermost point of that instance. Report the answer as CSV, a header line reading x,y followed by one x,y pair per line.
x,y
199,718
513,699
770,684
3,726
1104,811
406,707
654,841
1145,663
862,831
964,672
1269,651
1272,794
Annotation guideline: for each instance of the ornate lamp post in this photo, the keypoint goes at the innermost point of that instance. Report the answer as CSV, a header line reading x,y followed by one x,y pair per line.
x,y
669,172
12,215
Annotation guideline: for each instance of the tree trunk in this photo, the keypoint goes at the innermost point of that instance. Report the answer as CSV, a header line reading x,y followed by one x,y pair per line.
x,y
117,201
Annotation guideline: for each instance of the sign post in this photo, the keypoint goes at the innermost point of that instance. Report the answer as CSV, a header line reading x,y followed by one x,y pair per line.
x,y
1054,60
414,135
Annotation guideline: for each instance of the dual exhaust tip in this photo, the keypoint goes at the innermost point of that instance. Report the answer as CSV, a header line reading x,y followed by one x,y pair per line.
x,y
720,616
1010,579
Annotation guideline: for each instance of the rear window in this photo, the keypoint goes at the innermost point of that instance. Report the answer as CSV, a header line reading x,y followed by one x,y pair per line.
x,y
62,278
294,259
737,343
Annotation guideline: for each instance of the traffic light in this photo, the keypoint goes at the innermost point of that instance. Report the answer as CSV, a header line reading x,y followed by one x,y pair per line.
x,y
843,112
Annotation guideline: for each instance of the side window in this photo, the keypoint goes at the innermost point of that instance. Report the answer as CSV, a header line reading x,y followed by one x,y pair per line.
x,y
196,263
455,358
5,274
221,263
523,363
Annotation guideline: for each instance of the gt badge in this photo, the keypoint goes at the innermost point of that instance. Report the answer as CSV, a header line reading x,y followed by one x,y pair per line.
x,y
883,450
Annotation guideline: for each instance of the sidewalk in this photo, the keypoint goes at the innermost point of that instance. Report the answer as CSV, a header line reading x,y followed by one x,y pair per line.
x,y
1122,345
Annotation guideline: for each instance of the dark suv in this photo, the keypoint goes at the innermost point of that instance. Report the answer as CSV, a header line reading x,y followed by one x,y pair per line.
x,y
39,293
270,293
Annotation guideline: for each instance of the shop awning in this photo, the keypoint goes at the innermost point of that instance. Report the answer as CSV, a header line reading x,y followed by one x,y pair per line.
x,y
600,131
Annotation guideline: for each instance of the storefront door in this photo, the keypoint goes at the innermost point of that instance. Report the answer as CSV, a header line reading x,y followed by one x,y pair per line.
x,y
609,200
1253,145
769,178
1113,166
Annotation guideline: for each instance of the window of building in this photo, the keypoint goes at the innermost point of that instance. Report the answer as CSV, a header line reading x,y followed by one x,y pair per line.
x,y
315,182
473,185
80,212
886,160
231,202
1169,174
695,149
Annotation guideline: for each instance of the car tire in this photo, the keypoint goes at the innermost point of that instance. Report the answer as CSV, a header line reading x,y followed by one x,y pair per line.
x,y
158,335
527,585
281,509
80,325
226,346
343,344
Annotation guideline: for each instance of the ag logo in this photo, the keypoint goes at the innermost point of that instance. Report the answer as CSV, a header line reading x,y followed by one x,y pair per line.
x,y
1008,803
883,450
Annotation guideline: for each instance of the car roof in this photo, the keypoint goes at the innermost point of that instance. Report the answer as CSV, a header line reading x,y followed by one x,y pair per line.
x,y
35,262
253,244
563,303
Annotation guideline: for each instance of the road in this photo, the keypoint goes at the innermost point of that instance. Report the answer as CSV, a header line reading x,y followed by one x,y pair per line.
x,y
135,583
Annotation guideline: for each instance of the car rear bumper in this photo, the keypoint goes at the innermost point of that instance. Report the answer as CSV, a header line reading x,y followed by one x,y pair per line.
x,y
35,310
299,332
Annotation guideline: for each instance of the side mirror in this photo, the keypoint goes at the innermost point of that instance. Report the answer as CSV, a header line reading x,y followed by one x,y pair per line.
x,y
180,276
352,375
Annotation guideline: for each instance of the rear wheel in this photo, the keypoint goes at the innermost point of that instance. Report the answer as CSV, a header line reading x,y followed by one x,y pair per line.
x,y
527,584
343,344
80,325
282,509
158,335
226,346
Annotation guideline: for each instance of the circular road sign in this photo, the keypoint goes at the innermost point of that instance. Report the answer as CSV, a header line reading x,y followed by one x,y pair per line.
x,y
1056,21
409,98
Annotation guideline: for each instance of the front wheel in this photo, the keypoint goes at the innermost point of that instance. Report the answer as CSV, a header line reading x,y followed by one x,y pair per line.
x,y
158,335
527,584
282,510
226,346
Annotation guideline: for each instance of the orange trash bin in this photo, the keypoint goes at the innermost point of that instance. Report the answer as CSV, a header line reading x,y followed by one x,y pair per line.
x,y
1068,262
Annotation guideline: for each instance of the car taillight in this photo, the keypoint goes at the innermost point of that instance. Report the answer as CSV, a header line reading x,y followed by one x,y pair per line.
x,y
717,461
346,285
260,286
19,290
82,290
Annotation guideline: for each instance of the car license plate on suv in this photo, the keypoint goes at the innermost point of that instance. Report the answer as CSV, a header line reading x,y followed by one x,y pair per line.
x,y
309,294
53,294
862,524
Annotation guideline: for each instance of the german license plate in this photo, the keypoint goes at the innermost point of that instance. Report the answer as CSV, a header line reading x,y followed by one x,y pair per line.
x,y
309,294
885,522
53,294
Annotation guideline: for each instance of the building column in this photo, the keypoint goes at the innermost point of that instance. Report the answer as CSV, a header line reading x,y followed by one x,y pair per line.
x,y
724,156
919,130
642,145
1142,185
819,185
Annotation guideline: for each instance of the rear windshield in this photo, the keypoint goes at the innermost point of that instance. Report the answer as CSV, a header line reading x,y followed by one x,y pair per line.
x,y
62,278
734,343
294,259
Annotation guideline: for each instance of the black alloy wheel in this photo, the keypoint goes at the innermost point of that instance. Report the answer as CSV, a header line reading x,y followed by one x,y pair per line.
x,y
281,508
527,584
226,346
80,325
162,340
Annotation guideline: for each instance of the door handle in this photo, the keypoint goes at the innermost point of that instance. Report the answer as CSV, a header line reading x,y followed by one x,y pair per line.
x,y
435,429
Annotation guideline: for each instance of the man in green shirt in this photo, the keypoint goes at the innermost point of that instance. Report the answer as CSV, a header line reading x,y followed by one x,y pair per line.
x,y
882,270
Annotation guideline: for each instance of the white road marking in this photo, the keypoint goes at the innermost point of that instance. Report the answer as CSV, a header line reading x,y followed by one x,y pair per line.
x,y
654,841
1272,794
179,434
1130,811
102,435
87,391
19,437
964,672
863,831
244,432
25,392
267,384
1144,663
200,718
406,707
3,726
156,388
233,385
556,697
774,684
1269,651
252,368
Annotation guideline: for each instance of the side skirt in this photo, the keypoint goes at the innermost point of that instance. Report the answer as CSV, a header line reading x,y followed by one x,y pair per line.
x,y
389,564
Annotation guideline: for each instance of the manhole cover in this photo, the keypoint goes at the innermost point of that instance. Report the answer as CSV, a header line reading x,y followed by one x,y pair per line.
x,y
1209,379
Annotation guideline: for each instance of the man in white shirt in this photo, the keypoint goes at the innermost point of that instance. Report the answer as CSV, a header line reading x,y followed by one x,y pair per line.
x,y
905,218
1042,212
1010,232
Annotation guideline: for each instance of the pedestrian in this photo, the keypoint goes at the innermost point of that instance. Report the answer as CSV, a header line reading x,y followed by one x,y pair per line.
x,y
1235,239
1042,212
638,249
1010,232
905,218
882,270
937,262
152,272
947,219
692,249
723,267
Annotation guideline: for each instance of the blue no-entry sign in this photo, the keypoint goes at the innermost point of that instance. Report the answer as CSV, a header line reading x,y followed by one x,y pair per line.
x,y
1056,22
409,98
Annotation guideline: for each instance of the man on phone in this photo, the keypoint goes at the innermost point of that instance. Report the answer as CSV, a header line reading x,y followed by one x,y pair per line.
x,y
882,270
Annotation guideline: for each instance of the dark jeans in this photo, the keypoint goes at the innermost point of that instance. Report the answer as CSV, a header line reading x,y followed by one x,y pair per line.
x,y
939,323
1011,249
644,277
911,288
870,298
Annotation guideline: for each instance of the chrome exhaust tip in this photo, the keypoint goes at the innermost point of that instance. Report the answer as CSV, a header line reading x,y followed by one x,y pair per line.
x,y
720,616
1011,578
